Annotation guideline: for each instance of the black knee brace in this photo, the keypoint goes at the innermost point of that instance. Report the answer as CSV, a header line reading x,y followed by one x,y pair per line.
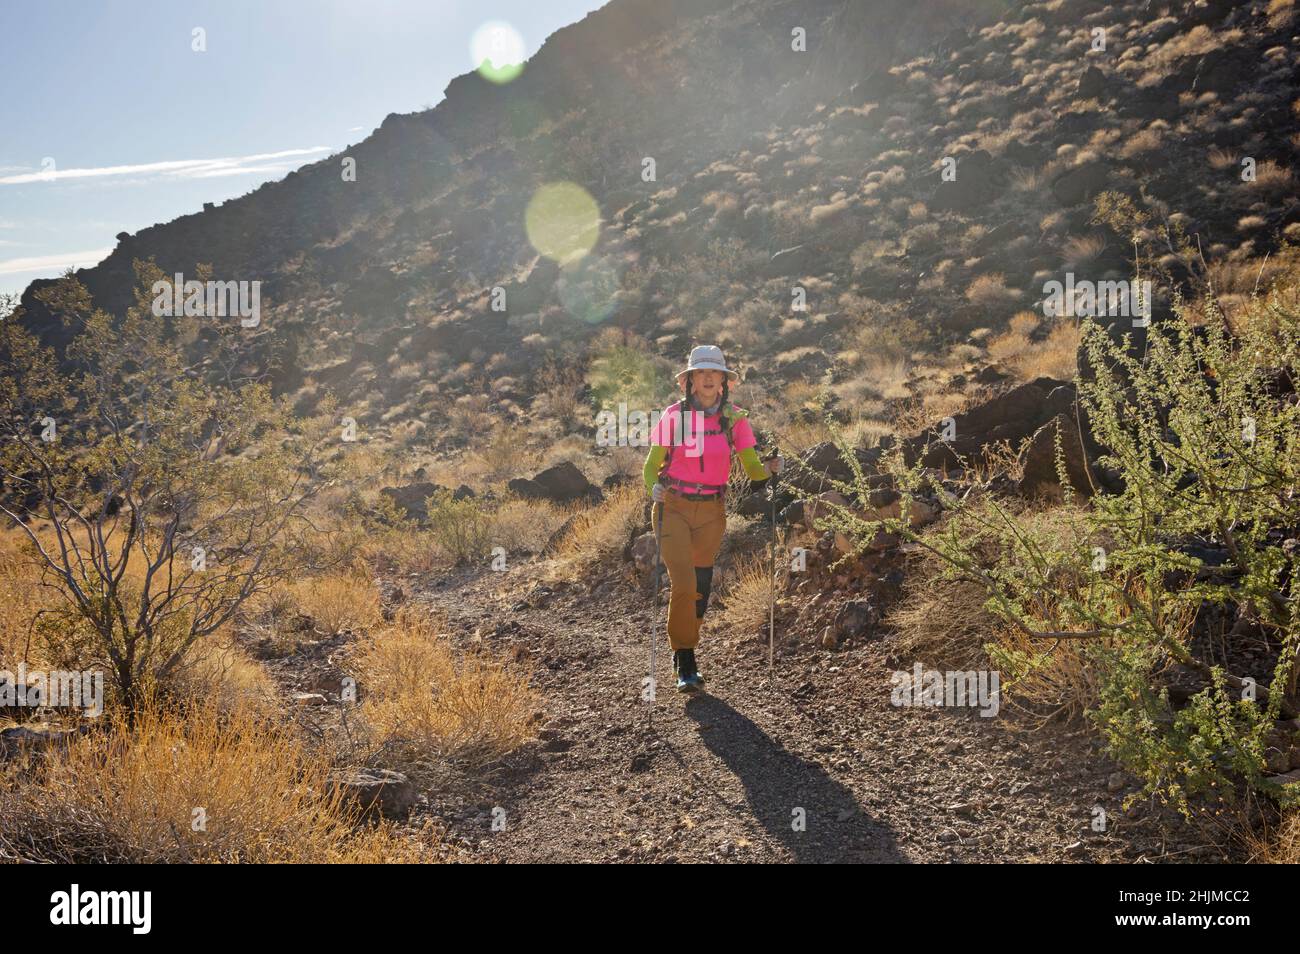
x,y
703,584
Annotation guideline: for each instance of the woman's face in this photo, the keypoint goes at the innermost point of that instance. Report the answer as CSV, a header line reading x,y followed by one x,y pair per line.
x,y
707,386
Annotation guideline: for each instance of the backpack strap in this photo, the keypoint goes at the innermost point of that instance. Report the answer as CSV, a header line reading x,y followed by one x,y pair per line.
x,y
681,418
727,424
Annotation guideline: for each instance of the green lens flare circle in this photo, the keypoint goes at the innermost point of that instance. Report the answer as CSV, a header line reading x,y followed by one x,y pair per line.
x,y
562,221
497,51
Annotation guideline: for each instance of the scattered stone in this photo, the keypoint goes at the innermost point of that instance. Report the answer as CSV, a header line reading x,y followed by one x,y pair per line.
x,y
381,791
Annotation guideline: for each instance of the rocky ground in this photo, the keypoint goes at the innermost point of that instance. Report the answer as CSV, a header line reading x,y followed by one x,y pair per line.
x,y
726,775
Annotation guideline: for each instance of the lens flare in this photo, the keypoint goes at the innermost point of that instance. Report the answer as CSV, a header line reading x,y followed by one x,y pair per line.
x,y
497,51
588,288
562,221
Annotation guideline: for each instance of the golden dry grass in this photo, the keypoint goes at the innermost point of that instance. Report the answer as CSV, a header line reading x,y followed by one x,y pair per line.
x,y
991,291
747,595
24,598
1056,356
191,787
526,525
219,672
941,622
338,601
420,703
1008,344
1279,845
600,533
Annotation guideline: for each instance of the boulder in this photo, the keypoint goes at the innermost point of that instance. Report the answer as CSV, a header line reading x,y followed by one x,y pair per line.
x,y
412,499
979,180
1092,84
820,506
1038,460
643,553
562,483
1011,416
823,462
856,618
378,791
1080,183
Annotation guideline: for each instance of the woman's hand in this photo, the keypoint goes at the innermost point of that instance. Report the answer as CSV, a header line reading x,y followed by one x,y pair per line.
x,y
657,493
773,464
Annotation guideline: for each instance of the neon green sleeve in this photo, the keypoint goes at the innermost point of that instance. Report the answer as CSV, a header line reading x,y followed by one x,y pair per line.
x,y
653,461
754,468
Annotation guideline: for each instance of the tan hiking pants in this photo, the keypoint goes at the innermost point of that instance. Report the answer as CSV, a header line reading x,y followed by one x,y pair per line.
x,y
689,541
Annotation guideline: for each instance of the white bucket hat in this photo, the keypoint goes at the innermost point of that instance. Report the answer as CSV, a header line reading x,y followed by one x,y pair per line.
x,y
707,358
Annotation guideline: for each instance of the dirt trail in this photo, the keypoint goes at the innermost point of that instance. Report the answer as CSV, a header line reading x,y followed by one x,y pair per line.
x,y
727,774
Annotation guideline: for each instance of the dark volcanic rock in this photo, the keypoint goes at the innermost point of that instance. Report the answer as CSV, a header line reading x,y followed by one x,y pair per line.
x,y
562,483
1038,460
1012,416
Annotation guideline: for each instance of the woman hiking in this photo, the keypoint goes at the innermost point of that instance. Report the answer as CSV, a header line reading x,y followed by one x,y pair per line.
x,y
686,475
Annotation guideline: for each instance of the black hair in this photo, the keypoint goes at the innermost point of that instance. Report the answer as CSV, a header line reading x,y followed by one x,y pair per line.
x,y
726,391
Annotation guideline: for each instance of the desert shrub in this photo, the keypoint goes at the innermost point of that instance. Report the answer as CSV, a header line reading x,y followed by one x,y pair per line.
x,y
460,529
991,291
624,373
166,505
337,602
1208,449
420,703
195,786
747,595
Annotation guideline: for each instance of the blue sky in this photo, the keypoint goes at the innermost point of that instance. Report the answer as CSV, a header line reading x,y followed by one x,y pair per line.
x,y
142,128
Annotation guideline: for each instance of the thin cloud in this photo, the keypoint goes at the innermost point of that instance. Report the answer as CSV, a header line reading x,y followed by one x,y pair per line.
x,y
173,169
55,262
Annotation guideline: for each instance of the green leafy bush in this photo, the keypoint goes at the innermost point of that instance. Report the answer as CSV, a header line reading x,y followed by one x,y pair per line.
x,y
1203,433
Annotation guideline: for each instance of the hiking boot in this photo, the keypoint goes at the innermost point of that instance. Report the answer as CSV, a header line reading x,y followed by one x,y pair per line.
x,y
688,677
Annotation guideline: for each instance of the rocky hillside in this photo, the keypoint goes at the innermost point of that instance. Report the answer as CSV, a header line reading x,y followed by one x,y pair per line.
x,y
774,166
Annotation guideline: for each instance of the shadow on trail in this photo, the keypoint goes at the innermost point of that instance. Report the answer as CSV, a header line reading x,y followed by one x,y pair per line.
x,y
776,782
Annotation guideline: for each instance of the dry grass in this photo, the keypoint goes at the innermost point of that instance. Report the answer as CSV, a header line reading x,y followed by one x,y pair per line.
x,y
747,595
1009,344
526,525
338,601
887,376
1081,250
502,455
1281,13
195,787
600,533
1272,178
943,404
220,673
1278,846
24,598
1056,356
941,622
991,291
420,703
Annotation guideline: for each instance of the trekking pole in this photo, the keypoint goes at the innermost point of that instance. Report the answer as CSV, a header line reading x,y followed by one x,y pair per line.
x,y
771,608
654,636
